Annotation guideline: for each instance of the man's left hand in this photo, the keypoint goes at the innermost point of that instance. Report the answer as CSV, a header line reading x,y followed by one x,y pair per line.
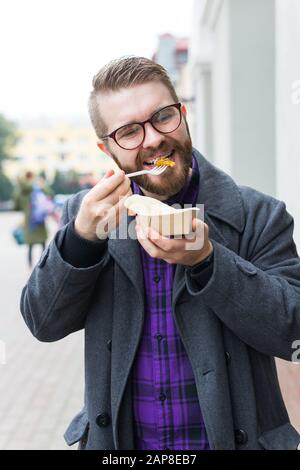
x,y
187,251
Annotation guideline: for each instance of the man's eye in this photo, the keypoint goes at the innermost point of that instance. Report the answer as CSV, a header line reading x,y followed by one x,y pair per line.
x,y
164,116
129,132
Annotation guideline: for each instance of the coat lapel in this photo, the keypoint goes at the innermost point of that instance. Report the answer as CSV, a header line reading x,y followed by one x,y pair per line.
x,y
202,336
220,198
200,329
124,248
128,315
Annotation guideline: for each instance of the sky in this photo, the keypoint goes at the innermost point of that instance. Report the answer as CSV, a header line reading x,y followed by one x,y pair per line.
x,y
51,49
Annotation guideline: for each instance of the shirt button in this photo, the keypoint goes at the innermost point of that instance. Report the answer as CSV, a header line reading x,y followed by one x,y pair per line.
x,y
159,337
162,396
156,279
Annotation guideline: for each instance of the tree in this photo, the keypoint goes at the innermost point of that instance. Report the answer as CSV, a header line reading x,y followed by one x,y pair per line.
x,y
65,182
8,139
6,188
43,175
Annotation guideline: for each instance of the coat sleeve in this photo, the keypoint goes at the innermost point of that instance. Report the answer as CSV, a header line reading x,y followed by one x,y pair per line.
x,y
258,298
56,298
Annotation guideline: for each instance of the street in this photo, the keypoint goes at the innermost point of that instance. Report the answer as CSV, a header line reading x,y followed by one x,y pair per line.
x,y
41,384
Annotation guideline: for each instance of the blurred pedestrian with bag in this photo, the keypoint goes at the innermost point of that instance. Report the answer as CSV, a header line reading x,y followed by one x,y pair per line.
x,y
33,197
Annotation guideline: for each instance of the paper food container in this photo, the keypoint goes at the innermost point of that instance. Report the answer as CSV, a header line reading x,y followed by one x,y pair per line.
x,y
164,219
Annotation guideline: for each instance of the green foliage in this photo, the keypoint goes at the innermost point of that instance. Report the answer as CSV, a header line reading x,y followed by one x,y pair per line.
x,y
66,182
8,138
43,175
6,188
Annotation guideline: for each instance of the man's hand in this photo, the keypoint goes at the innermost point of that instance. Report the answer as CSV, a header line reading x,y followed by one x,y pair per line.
x,y
187,251
102,207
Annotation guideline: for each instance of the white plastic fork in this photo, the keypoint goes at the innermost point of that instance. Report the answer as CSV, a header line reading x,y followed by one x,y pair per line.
x,y
156,170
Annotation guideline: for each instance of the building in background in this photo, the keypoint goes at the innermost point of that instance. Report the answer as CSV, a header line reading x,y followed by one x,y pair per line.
x,y
245,61
173,54
48,146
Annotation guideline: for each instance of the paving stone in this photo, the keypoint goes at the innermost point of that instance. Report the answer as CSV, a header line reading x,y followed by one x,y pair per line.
x,y
41,386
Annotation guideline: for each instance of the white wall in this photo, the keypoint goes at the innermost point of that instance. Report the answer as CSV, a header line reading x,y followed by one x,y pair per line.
x,y
287,111
221,86
246,57
252,93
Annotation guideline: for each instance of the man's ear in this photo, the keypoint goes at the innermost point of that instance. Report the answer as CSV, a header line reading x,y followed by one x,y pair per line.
x,y
184,110
103,147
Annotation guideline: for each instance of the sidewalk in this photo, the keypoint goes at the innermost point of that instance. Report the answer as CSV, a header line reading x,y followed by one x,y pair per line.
x,y
41,384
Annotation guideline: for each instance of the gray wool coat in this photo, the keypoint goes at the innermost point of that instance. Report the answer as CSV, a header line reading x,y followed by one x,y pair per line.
x,y
248,313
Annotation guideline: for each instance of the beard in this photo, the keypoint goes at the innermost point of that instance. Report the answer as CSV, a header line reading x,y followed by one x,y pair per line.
x,y
174,178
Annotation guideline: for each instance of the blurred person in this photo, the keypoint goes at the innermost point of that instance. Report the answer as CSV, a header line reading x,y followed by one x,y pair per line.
x,y
87,181
179,342
35,231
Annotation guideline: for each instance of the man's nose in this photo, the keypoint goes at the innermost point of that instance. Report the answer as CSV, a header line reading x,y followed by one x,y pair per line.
x,y
153,138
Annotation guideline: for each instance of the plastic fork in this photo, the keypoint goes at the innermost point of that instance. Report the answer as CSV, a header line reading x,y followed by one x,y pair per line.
x,y
156,170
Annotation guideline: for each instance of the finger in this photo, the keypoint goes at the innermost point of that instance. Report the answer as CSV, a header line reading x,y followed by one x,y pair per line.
x,y
166,244
109,173
170,245
119,192
120,207
194,224
106,186
195,240
103,208
131,212
197,229
107,222
147,244
197,224
111,217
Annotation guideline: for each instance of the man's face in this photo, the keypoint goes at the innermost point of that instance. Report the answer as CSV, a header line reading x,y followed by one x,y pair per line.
x,y
136,104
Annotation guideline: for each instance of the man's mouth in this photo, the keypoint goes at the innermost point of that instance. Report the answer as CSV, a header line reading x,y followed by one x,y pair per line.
x,y
150,163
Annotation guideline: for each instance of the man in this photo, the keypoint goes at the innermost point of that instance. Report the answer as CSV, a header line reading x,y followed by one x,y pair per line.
x,y
179,337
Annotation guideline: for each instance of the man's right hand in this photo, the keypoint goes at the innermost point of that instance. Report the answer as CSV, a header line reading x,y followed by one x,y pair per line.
x,y
103,206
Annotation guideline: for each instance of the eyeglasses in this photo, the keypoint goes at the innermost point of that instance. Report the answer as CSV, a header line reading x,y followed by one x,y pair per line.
x,y
131,136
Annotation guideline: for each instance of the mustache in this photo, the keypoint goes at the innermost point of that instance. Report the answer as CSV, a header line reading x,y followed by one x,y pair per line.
x,y
163,149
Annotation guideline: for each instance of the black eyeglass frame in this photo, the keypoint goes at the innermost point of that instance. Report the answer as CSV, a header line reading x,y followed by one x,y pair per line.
x,y
112,135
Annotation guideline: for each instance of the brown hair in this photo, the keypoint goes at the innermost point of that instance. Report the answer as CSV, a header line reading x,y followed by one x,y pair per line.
x,y
124,73
29,175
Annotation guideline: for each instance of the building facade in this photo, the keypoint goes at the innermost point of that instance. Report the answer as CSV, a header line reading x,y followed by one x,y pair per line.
x,y
173,54
245,61
48,146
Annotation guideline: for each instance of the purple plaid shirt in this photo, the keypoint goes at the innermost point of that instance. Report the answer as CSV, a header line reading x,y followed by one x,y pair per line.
x,y
166,410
